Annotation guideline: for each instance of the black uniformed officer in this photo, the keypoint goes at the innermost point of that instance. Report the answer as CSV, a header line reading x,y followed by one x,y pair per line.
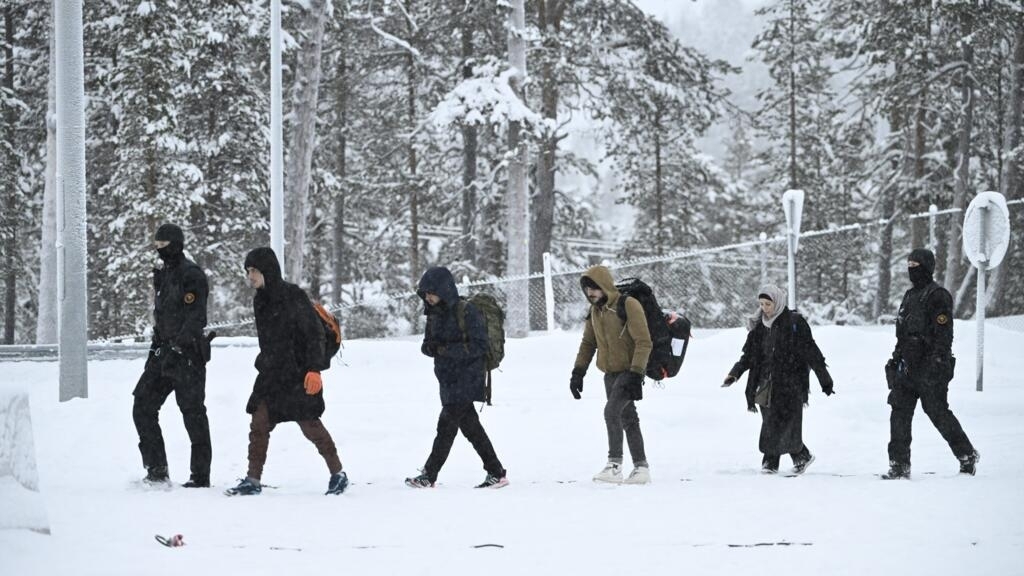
x,y
177,361
922,366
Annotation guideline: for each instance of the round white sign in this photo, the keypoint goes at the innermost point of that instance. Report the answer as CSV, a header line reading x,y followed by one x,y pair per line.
x,y
986,230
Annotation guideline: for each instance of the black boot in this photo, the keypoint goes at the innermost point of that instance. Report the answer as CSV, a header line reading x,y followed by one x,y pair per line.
x,y
968,461
770,464
897,471
198,481
156,475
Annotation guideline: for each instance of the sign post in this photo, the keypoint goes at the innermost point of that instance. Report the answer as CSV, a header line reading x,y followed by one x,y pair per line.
x,y
793,206
986,237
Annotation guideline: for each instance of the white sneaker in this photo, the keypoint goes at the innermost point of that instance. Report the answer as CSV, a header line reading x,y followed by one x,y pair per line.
x,y
612,473
639,475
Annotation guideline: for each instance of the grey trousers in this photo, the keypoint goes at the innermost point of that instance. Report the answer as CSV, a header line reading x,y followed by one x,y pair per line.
x,y
621,419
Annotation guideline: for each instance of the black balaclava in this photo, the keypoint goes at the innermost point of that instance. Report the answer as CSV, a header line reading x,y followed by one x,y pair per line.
x,y
173,234
264,260
922,274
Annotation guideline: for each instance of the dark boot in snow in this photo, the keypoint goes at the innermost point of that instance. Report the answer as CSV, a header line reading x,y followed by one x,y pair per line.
x,y
802,461
421,481
197,481
338,483
968,461
156,475
247,487
897,471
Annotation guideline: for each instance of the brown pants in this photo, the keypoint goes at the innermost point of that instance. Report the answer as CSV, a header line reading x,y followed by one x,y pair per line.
x,y
259,441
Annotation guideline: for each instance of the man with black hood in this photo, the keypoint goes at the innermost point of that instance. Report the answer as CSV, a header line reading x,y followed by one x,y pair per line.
x,y
456,338
288,387
922,366
177,361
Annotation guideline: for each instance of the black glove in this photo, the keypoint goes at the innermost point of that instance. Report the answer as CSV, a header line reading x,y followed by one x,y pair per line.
x,y
576,383
729,381
890,372
633,383
827,385
429,348
752,408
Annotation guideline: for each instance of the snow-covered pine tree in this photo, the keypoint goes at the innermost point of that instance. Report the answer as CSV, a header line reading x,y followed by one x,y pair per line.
x,y
23,53
660,96
153,176
224,118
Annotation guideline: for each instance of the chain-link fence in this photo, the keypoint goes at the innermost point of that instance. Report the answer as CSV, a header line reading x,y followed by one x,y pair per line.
x,y
851,274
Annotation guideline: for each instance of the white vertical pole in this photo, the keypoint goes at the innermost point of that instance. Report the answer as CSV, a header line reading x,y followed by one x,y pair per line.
x,y
517,202
764,259
932,216
791,268
71,250
549,292
979,314
793,205
276,138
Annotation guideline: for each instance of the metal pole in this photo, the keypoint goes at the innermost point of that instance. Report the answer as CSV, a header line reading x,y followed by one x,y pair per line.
x,y
549,292
791,248
979,314
764,258
276,146
72,323
932,215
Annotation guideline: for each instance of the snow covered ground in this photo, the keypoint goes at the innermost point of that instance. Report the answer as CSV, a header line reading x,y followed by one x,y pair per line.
x,y
705,513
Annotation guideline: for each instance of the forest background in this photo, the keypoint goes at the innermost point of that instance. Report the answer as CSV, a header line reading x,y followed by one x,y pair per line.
x,y
648,127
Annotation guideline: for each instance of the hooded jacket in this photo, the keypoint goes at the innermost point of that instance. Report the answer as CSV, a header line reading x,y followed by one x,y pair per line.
x,y
291,340
619,346
459,359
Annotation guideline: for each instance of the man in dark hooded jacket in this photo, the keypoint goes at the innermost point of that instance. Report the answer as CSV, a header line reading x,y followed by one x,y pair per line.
x,y
459,364
288,387
922,366
177,361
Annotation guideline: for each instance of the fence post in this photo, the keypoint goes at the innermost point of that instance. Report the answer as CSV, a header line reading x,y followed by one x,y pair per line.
x,y
793,205
764,258
932,216
979,314
549,292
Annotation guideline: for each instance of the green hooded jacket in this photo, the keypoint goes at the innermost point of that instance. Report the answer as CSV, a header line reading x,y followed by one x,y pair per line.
x,y
619,346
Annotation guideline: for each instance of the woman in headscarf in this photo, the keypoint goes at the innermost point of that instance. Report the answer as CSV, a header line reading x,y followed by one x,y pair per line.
x,y
779,353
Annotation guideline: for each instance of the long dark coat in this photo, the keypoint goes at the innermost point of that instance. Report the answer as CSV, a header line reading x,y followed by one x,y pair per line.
x,y
291,341
793,353
459,359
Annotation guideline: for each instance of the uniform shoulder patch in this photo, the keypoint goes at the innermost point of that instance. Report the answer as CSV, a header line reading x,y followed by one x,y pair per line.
x,y
942,319
190,297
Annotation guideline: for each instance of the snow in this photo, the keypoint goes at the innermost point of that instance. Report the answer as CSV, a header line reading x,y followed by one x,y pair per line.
x,y
382,404
19,481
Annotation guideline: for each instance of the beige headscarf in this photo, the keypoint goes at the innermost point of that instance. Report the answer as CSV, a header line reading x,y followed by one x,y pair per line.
x,y
776,295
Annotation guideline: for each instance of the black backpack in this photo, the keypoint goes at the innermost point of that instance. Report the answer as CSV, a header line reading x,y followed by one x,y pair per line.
x,y
332,332
665,327
494,322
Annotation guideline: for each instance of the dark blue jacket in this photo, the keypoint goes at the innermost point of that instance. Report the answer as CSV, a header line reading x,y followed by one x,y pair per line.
x,y
459,360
